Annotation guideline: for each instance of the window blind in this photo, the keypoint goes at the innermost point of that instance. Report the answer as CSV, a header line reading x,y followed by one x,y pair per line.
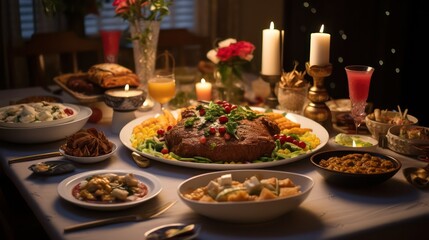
x,y
182,15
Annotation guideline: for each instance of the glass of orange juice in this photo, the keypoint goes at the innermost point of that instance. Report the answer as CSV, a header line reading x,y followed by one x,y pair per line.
x,y
162,88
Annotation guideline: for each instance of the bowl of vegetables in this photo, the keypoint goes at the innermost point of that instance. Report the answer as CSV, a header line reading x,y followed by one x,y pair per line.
x,y
245,196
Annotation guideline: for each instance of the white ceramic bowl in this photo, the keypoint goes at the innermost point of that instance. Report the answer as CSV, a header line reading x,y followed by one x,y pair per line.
x,y
46,133
249,211
74,109
378,129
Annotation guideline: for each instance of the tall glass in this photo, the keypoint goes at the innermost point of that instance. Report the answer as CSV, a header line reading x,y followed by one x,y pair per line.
x,y
359,79
162,88
110,39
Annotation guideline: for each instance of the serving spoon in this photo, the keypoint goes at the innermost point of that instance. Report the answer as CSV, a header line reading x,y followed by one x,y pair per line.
x,y
141,161
178,231
419,177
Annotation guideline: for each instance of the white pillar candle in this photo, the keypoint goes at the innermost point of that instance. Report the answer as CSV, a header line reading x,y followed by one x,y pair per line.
x,y
204,90
319,48
271,51
282,50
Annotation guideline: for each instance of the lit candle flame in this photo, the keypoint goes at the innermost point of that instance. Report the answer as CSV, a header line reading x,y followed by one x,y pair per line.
x,y
271,25
127,87
322,28
353,143
203,80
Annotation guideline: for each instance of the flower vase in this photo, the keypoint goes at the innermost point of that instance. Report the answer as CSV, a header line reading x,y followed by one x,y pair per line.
x,y
144,36
229,87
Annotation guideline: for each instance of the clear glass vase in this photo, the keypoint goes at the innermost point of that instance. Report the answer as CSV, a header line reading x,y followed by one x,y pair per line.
x,y
293,99
144,36
229,87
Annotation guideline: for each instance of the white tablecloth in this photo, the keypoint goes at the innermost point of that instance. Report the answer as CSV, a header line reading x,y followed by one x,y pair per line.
x,y
387,210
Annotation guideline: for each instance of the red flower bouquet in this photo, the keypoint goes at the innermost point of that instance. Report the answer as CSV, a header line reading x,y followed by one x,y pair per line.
x,y
231,57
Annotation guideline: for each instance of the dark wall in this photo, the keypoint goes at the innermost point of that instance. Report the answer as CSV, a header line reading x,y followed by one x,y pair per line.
x,y
384,34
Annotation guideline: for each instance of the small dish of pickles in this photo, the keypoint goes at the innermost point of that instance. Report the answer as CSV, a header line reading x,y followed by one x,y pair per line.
x,y
354,140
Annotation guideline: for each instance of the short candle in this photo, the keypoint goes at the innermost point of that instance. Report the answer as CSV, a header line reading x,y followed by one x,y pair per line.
x,y
124,93
204,90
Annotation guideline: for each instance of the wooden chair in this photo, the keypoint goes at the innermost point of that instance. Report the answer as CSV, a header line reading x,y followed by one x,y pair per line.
x,y
187,48
55,53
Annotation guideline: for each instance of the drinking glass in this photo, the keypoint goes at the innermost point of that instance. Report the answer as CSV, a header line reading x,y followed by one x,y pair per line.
x,y
359,78
110,39
162,88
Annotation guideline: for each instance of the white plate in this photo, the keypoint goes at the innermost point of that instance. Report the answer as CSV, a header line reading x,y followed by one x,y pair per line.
x,y
364,138
47,133
66,186
89,159
43,123
319,130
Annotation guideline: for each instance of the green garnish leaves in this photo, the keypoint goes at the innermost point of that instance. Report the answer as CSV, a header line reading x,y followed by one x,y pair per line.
x,y
231,127
190,121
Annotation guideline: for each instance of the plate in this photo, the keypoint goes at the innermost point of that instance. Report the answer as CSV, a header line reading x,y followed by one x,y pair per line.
x,y
65,189
51,168
371,142
46,133
319,130
89,159
74,108
83,98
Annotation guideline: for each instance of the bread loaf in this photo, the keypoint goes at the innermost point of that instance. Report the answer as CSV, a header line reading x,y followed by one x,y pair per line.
x,y
112,75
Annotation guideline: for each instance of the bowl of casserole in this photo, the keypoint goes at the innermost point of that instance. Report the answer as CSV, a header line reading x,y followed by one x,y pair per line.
x,y
355,168
245,196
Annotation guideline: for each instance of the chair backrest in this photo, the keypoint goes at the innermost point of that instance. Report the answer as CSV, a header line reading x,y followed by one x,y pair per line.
x,y
187,48
55,53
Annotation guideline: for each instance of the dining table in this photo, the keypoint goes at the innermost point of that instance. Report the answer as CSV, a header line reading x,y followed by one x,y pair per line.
x,y
394,209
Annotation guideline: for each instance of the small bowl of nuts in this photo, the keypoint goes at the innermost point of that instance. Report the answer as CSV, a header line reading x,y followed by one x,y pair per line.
x,y
355,168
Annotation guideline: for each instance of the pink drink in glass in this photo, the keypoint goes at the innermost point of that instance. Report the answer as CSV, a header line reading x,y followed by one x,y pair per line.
x,y
110,40
359,78
359,84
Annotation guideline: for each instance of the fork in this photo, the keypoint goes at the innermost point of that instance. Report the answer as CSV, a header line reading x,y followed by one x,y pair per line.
x,y
128,218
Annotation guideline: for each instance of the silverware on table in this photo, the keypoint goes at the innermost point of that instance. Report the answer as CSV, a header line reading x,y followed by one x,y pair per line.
x,y
177,231
128,218
419,177
140,160
34,157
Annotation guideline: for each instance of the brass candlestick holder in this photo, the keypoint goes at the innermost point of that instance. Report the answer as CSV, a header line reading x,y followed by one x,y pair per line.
x,y
271,101
317,94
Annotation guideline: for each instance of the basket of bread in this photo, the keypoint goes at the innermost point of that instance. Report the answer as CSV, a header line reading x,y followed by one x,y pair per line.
x,y
89,86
